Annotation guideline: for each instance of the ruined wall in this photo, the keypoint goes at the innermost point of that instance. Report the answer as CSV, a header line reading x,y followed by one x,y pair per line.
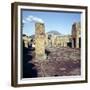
x,y
76,35
58,41
61,41
26,41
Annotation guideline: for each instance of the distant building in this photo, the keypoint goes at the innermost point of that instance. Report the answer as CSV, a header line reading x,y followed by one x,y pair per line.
x,y
26,41
63,41
59,41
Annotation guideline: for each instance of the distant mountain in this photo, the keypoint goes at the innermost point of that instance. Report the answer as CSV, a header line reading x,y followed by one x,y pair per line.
x,y
53,32
32,36
49,33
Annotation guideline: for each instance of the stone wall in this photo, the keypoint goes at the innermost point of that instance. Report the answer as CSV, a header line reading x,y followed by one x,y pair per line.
x,y
58,40
76,35
61,41
42,40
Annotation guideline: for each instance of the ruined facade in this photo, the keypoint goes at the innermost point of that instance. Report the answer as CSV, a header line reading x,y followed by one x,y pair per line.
x,y
63,41
42,40
59,41
76,35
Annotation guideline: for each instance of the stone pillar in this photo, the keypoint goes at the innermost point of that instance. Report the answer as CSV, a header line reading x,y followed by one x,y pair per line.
x,y
29,41
65,44
46,41
77,42
25,39
40,41
72,43
77,37
53,40
26,44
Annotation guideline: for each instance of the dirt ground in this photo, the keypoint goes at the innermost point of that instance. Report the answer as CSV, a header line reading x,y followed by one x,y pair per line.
x,y
59,62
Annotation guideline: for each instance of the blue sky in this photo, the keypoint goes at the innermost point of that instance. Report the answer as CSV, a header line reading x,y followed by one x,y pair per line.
x,y
54,21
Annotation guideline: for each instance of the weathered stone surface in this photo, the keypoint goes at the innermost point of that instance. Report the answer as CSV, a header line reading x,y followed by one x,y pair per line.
x,y
51,57
76,35
40,41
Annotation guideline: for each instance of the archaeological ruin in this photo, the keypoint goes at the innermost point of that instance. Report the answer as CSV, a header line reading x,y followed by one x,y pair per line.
x,y
50,54
76,35
60,41
42,40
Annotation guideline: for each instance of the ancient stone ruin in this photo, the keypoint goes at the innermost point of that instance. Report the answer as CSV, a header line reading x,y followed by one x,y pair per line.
x,y
76,35
46,55
40,41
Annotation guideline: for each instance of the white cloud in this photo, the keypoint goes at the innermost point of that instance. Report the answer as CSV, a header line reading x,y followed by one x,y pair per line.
x,y
24,21
33,19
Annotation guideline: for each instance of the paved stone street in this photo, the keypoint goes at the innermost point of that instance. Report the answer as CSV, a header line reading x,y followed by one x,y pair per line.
x,y
59,62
